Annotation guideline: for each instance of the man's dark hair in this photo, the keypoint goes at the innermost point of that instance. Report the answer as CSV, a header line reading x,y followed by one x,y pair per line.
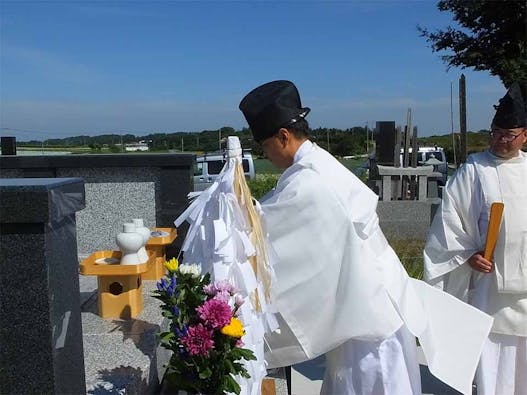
x,y
299,128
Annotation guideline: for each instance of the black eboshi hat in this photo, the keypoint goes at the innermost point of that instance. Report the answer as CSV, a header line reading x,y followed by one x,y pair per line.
x,y
511,112
271,106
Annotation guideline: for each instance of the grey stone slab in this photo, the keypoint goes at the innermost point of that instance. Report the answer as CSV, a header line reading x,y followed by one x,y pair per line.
x,y
39,200
40,322
405,219
114,196
96,160
124,356
88,289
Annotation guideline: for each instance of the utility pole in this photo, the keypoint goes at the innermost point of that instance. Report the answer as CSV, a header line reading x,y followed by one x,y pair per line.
x,y
328,139
462,119
452,126
367,145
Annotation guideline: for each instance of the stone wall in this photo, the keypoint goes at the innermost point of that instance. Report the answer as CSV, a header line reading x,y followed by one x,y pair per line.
x,y
118,187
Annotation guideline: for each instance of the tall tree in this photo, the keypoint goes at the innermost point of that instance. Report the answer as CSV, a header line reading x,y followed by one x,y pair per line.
x,y
492,37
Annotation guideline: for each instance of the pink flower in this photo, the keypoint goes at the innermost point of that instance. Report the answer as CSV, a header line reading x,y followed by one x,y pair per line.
x,y
225,286
198,340
238,300
223,296
210,289
219,286
215,313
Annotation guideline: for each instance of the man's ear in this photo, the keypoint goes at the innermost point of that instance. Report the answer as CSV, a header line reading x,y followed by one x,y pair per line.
x,y
284,136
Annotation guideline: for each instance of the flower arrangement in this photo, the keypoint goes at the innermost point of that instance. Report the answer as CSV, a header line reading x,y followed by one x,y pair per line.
x,y
205,332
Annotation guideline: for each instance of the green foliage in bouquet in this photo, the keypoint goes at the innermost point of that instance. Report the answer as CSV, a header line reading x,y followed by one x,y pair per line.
x,y
205,334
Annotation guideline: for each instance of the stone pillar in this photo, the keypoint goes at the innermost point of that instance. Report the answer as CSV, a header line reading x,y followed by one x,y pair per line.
x,y
41,348
8,145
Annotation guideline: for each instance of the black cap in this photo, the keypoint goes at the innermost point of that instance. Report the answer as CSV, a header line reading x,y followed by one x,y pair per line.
x,y
511,112
271,106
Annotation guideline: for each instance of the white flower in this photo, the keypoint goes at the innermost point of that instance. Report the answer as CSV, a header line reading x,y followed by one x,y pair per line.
x,y
193,269
238,300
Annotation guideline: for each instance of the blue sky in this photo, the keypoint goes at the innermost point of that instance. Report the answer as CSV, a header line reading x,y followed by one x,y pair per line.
x,y
94,67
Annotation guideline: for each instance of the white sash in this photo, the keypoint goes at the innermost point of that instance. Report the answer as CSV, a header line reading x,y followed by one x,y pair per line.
x,y
506,181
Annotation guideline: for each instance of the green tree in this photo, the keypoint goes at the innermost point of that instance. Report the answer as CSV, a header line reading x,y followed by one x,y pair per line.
x,y
492,37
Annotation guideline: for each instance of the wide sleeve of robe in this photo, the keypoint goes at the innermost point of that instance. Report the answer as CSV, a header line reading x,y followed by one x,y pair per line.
x,y
327,288
455,233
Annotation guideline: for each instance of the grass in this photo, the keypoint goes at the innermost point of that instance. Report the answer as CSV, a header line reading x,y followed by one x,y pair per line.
x,y
73,150
410,252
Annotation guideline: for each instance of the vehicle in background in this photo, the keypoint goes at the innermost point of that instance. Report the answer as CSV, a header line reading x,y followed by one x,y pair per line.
x,y
208,167
432,156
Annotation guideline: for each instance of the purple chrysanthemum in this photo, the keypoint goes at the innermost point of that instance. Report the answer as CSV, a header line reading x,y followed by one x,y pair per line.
x,y
198,340
215,313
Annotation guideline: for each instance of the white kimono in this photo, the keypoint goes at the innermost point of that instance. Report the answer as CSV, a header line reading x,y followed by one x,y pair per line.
x,y
458,231
337,279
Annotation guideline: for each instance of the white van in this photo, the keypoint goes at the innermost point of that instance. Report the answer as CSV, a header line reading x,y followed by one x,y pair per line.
x,y
432,156
208,167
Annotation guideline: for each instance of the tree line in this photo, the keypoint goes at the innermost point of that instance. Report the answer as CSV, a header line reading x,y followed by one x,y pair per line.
x,y
350,141
358,140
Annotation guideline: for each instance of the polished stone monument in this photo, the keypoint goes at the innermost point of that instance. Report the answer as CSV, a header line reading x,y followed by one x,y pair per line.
x,y
41,347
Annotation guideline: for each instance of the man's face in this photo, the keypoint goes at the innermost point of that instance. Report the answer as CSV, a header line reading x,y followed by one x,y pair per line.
x,y
506,143
275,149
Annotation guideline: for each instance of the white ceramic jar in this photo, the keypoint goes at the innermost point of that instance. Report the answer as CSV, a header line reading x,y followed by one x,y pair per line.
x,y
129,242
145,233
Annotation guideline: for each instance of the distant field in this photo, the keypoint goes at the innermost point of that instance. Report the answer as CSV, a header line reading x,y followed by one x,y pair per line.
x,y
73,150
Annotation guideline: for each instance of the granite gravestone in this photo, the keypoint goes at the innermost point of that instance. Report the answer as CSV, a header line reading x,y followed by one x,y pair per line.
x,y
41,349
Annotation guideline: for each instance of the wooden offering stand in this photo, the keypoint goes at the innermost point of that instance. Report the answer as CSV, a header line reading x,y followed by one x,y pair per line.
x,y
161,237
119,286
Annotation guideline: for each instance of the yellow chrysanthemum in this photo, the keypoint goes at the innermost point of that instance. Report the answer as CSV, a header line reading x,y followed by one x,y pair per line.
x,y
172,265
234,329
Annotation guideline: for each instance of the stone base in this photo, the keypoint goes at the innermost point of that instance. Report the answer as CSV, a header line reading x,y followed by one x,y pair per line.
x,y
122,356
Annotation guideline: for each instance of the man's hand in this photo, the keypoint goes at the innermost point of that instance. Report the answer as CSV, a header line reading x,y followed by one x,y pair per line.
x,y
480,264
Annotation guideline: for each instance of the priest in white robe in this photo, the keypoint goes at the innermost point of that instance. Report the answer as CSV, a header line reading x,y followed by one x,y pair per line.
x,y
340,288
454,258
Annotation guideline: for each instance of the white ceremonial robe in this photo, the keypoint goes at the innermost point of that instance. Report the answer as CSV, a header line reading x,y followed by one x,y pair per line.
x,y
385,367
338,279
458,231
